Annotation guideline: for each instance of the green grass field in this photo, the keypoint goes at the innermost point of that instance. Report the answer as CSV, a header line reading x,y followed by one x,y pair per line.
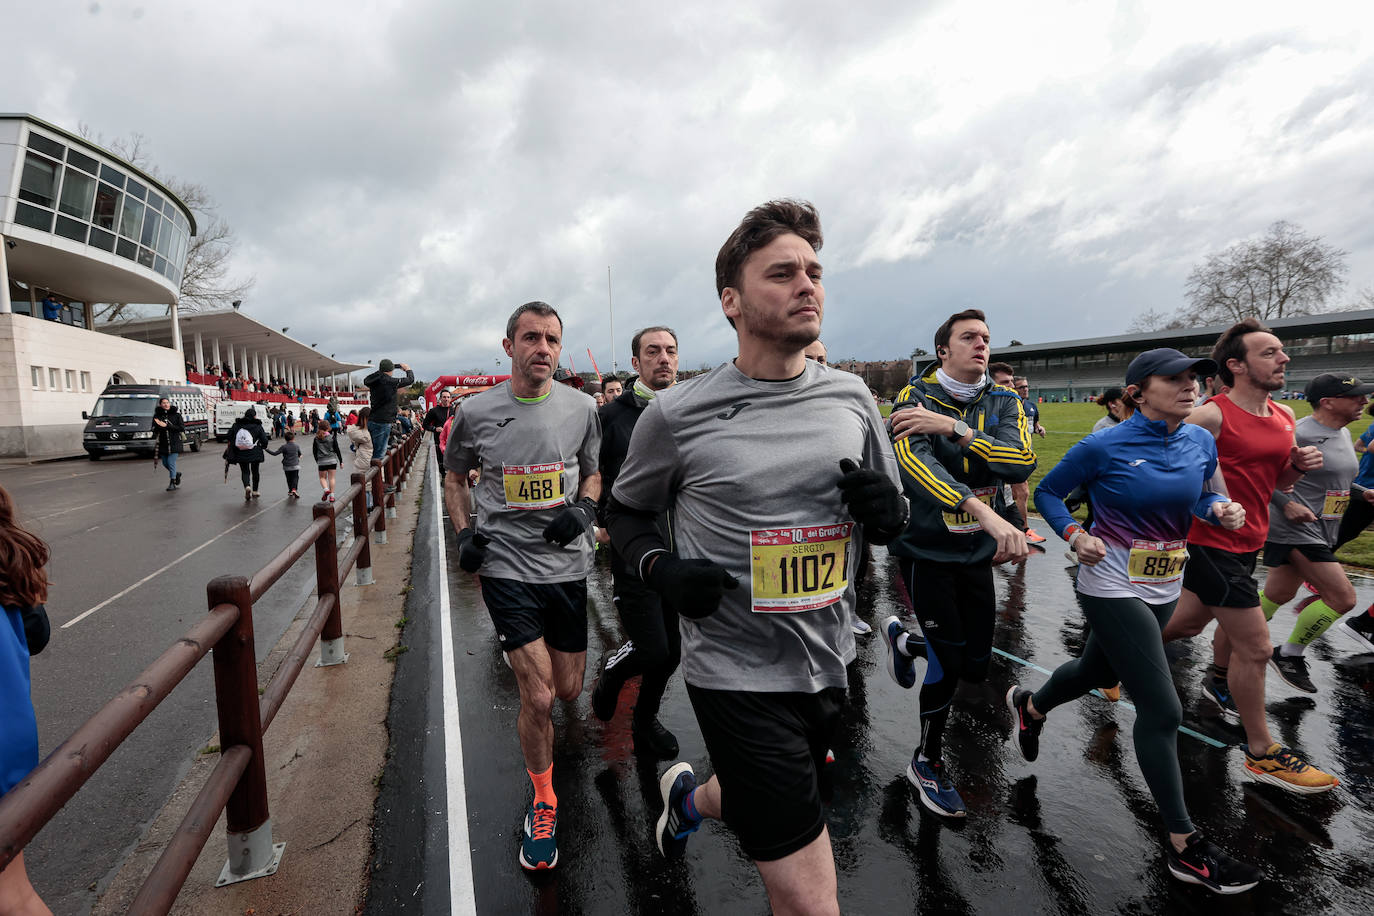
x,y
1065,424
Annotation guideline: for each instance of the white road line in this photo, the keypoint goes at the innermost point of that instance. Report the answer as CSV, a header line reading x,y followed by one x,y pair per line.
x,y
462,894
96,503
153,575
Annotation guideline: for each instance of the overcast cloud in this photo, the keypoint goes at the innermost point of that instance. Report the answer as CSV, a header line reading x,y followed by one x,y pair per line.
x,y
401,175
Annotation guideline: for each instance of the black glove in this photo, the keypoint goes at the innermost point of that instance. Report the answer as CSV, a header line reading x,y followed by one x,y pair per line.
x,y
472,549
36,628
571,522
692,587
873,500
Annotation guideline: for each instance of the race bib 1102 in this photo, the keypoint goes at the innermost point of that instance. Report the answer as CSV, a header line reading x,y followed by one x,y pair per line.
x,y
799,569
964,522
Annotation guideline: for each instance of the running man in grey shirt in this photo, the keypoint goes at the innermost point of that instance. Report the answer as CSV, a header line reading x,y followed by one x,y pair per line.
x,y
537,444
1303,525
768,462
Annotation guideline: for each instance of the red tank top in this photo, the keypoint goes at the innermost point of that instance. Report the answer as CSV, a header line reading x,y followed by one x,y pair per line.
x,y
1252,451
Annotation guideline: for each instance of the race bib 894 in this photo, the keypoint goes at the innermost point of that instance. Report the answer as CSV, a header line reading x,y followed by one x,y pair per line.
x,y
1157,562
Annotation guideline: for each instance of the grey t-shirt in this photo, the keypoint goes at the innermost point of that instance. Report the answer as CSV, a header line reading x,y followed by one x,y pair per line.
x,y
533,458
1326,492
1106,422
750,468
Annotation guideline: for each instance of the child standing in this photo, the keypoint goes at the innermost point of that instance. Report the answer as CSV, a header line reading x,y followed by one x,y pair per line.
x,y
290,463
327,459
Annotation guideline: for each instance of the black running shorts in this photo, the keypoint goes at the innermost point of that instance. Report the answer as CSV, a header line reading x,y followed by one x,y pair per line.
x,y
1277,554
768,751
1221,578
523,612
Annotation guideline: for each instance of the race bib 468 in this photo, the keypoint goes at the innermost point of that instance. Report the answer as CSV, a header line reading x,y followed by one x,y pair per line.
x,y
533,486
799,569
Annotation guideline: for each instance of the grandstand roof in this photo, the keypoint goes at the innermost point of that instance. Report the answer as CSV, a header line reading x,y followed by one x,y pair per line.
x,y
1355,322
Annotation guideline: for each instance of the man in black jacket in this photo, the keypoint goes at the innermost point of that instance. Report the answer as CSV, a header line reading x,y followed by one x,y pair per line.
x,y
655,644
382,389
435,419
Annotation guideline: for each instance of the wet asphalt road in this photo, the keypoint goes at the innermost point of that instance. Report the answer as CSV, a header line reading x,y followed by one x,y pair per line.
x,y
111,524
1075,832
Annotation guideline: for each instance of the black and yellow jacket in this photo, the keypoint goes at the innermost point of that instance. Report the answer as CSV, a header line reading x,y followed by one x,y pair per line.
x,y
938,475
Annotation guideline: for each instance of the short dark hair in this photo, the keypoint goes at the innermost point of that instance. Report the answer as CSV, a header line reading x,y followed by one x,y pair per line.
x,y
539,308
1001,368
758,229
943,332
1231,345
634,343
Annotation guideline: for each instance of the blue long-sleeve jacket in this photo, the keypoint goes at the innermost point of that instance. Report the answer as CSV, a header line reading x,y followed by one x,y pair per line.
x,y
1146,484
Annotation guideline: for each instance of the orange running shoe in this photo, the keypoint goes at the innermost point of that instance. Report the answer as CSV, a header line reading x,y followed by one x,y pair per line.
x,y
1285,769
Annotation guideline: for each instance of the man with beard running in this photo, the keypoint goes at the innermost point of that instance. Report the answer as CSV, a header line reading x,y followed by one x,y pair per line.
x,y
537,444
435,418
654,646
768,461
1303,526
959,439
1258,455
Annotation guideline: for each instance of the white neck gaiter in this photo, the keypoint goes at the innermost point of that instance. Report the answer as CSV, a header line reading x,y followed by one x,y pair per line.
x,y
961,391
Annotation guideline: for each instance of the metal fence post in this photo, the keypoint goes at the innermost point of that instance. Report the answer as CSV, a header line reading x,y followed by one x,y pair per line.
x,y
252,854
327,583
363,571
378,500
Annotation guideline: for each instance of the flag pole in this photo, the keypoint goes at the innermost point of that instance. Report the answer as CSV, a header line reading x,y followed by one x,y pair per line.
x,y
615,367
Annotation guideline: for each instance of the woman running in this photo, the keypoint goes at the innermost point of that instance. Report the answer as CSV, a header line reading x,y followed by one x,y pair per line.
x,y
1146,478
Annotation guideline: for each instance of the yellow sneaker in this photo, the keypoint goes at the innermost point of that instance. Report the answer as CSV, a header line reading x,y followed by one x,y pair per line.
x,y
1285,769
1111,694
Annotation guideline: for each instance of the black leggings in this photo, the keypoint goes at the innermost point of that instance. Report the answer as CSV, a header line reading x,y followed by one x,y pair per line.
x,y
253,468
1125,645
955,604
1357,517
654,648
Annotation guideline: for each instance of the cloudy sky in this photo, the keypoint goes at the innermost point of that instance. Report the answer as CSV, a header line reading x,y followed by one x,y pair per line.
x,y
401,173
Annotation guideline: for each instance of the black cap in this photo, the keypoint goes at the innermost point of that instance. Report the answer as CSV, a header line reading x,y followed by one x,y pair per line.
x,y
1111,394
1335,386
1166,361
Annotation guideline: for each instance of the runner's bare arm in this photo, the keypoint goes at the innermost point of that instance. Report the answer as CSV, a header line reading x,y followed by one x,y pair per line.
x,y
1208,416
590,487
458,500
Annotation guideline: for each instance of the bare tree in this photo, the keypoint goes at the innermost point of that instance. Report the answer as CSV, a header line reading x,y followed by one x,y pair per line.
x,y
205,279
1155,320
1282,274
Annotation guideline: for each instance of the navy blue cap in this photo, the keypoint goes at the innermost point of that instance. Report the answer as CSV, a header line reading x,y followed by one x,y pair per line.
x,y
1166,361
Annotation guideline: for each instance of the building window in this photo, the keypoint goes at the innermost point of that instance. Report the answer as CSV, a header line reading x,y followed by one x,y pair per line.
x,y
106,206
38,184
36,375
85,381
131,217
71,379
45,145
55,379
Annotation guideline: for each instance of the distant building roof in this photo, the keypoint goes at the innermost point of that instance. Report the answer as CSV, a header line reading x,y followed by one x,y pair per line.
x,y
1354,322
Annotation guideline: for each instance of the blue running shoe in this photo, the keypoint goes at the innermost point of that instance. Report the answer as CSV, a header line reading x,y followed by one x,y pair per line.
x,y
539,846
937,792
1220,695
675,825
899,667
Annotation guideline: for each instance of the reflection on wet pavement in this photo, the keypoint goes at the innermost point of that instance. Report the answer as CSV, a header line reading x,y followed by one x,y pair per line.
x,y
1075,832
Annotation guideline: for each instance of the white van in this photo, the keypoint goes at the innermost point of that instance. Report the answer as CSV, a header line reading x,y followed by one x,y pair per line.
x,y
227,411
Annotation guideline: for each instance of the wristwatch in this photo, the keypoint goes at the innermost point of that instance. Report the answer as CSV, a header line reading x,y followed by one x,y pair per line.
x,y
960,431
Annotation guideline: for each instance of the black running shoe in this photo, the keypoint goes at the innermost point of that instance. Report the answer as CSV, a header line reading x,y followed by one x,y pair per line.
x,y
1202,863
606,693
674,824
1220,694
177,482
1293,670
652,739
1027,726
1360,627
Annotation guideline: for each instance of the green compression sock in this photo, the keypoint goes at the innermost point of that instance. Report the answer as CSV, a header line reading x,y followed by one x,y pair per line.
x,y
1315,620
1268,606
